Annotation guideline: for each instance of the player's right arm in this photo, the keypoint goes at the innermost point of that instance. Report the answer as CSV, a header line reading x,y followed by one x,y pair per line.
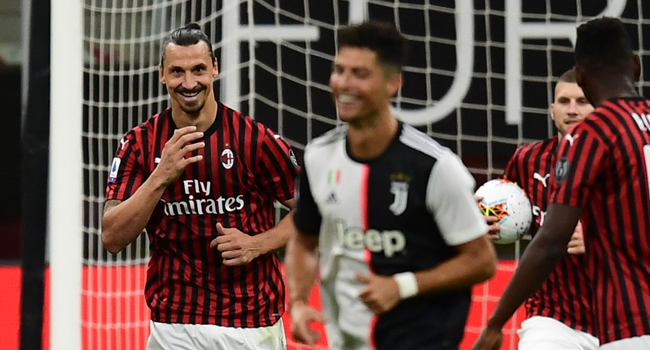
x,y
301,263
125,218
451,202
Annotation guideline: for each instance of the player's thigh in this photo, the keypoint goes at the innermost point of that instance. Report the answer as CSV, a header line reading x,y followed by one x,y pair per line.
x,y
636,343
541,333
210,337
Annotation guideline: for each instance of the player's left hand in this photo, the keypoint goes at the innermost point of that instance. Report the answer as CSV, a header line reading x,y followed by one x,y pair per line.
x,y
577,243
490,339
492,221
380,294
236,247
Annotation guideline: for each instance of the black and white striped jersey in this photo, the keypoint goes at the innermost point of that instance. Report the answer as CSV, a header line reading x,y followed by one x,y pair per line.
x,y
402,211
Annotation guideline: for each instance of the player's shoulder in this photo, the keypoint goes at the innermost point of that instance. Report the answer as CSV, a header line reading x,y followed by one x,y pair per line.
x,y
538,147
420,143
328,139
140,132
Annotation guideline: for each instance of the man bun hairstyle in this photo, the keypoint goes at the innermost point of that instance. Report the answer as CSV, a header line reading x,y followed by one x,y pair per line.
x,y
190,34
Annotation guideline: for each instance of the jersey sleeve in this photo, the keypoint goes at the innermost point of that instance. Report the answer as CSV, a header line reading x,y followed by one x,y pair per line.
x,y
579,161
126,174
307,217
512,169
278,165
450,198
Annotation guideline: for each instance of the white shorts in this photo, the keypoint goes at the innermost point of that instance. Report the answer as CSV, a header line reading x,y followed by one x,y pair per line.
x,y
543,333
636,343
176,336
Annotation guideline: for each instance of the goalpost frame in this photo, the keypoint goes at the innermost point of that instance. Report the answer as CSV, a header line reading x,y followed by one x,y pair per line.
x,y
65,222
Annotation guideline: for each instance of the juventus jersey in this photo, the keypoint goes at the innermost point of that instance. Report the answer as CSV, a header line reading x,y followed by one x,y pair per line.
x,y
402,211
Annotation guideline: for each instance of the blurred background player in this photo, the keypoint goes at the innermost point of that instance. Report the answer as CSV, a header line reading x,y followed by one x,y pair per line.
x,y
390,212
202,179
559,313
602,167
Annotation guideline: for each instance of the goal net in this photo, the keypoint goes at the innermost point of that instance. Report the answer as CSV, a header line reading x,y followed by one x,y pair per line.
x,y
479,80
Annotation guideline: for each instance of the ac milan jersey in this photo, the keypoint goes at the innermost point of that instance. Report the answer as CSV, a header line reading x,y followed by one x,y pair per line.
x,y
603,167
566,294
402,211
245,168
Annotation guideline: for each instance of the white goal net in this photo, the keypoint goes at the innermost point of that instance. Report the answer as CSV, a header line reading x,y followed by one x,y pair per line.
x,y
479,79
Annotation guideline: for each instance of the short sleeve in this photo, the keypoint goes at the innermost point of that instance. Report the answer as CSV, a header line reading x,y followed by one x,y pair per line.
x,y
450,198
512,170
126,173
579,161
307,217
278,165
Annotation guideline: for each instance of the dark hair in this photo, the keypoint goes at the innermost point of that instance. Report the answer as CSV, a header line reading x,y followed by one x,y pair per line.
x,y
381,37
568,76
604,44
190,34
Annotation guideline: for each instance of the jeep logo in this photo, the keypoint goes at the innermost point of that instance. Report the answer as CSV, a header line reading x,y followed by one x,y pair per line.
x,y
390,242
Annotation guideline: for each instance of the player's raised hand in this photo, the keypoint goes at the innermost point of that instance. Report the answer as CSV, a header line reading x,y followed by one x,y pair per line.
x,y
301,316
492,221
490,339
380,294
236,247
577,243
173,158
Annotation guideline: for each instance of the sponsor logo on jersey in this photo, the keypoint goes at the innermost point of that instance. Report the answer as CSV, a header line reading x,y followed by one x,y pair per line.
x,y
199,203
390,242
538,176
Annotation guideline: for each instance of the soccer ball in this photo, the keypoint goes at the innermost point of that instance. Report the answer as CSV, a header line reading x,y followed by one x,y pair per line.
x,y
508,202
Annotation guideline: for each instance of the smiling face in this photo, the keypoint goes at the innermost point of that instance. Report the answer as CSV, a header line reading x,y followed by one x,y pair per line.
x,y
570,106
187,72
361,87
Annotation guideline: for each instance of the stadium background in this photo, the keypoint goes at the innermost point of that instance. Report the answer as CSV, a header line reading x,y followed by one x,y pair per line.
x,y
288,93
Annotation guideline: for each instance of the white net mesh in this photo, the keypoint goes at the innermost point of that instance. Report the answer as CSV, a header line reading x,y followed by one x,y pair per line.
x,y
461,85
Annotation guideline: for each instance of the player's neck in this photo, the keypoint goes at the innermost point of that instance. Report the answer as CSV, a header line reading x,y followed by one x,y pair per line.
x,y
202,120
371,138
613,89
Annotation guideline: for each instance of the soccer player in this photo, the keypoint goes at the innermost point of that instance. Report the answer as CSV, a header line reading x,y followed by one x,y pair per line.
x,y
390,212
202,179
601,177
559,313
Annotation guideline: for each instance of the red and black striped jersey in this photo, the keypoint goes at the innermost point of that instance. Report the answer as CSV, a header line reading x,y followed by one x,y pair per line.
x,y
566,294
245,168
603,167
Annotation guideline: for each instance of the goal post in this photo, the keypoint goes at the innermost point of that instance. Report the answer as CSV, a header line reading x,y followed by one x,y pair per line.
x,y
65,219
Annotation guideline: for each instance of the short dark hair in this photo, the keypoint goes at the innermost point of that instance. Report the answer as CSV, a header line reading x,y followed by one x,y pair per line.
x,y
190,34
381,37
603,43
568,76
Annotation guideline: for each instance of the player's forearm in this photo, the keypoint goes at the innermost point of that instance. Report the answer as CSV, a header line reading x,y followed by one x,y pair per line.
x,y
534,268
462,271
123,223
276,238
541,257
301,266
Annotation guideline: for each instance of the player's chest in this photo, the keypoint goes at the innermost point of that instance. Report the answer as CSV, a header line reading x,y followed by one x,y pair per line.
x,y
384,190
536,179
